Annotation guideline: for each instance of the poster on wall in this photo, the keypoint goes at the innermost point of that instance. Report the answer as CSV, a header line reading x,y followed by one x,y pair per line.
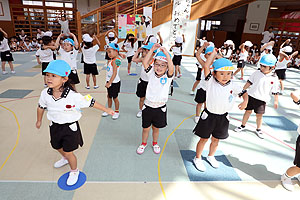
x,y
1,9
126,24
180,17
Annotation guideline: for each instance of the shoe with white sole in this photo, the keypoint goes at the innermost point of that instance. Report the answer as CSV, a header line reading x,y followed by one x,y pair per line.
x,y
287,183
87,87
4,72
212,160
197,119
198,162
73,178
104,114
96,86
140,150
13,72
192,92
61,162
156,149
259,133
239,129
116,115
139,114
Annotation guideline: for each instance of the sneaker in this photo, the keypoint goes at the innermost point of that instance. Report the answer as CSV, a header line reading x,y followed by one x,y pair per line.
x,y
192,92
140,150
197,119
179,75
87,87
4,72
212,160
13,72
116,115
61,162
73,178
96,86
198,162
239,129
156,149
259,134
104,114
241,78
139,114
287,183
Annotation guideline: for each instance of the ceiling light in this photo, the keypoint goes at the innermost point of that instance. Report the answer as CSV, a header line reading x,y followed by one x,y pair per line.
x,y
273,8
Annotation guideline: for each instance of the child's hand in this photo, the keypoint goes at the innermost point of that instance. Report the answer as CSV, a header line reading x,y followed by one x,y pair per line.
x,y
110,111
158,33
164,50
275,105
107,85
122,55
140,50
206,44
39,62
242,105
155,46
38,124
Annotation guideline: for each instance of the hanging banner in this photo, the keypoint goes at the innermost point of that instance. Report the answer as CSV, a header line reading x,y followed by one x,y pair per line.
x,y
180,17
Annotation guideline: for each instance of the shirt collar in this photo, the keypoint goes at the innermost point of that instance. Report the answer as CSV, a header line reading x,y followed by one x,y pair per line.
x,y
64,94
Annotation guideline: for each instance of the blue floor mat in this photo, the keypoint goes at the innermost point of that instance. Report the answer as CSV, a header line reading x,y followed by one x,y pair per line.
x,y
280,123
15,93
224,173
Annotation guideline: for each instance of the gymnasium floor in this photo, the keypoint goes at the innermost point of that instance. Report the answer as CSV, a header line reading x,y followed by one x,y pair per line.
x,y
250,167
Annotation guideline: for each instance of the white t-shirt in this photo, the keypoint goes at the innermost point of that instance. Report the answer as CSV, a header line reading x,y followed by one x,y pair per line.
x,y
228,53
178,50
297,61
114,41
22,37
40,35
109,71
89,55
157,89
128,48
144,74
64,26
67,108
142,32
262,85
70,57
282,64
4,45
243,55
267,36
45,55
220,98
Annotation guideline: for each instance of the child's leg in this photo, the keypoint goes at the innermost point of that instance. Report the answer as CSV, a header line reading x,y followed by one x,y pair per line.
x,y
242,72
145,134
179,71
213,146
3,66
246,117
281,84
237,71
293,171
198,109
94,80
128,67
195,85
155,133
109,102
11,66
259,120
200,147
176,70
141,102
70,156
117,103
87,78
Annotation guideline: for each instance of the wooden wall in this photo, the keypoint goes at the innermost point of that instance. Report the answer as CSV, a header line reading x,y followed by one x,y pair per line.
x,y
7,26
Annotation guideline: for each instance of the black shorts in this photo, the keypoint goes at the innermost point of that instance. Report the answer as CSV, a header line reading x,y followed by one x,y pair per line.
x,y
114,90
74,79
257,105
280,73
177,60
66,136
54,56
154,116
141,88
129,59
212,124
200,96
198,77
90,69
6,56
106,57
140,43
241,64
44,66
297,154
81,59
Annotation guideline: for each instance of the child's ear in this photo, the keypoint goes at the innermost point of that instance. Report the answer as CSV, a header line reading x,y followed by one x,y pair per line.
x,y
65,79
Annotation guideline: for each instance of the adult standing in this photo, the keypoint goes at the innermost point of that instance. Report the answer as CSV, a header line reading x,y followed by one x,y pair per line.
x,y
39,34
142,30
64,22
267,35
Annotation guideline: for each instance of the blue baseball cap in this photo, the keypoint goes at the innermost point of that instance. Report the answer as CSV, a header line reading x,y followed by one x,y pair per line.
x,y
268,60
148,46
209,49
70,41
113,46
58,67
223,64
161,56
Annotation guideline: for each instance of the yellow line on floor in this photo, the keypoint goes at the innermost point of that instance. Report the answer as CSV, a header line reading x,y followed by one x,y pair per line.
x,y
17,142
158,165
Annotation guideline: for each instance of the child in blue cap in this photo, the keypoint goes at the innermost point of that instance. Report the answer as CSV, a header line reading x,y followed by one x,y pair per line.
x,y
262,83
220,95
294,170
68,53
143,81
113,81
63,106
154,111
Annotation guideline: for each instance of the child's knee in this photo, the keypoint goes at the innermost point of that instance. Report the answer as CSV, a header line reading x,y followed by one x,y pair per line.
x,y
214,140
203,140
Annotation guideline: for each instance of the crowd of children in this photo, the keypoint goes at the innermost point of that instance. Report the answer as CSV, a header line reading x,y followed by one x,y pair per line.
x,y
214,80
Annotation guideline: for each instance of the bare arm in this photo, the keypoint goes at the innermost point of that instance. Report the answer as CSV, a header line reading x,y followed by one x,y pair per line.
x,y
58,40
103,108
147,58
40,113
115,68
285,42
4,33
160,38
208,62
170,62
271,43
247,84
199,53
183,38
97,40
38,60
76,43
294,54
136,56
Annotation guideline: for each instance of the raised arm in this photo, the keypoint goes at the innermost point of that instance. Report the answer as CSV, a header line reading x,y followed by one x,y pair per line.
x,y
271,43
97,40
170,62
147,58
183,38
57,44
4,33
294,54
136,56
160,38
76,43
199,53
209,61
285,42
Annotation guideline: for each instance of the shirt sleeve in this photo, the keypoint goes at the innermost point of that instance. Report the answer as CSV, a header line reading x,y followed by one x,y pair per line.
x,y
252,78
84,101
42,101
38,53
96,48
276,87
237,89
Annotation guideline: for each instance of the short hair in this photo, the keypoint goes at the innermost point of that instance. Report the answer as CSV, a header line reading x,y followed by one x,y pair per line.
x,y
271,27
